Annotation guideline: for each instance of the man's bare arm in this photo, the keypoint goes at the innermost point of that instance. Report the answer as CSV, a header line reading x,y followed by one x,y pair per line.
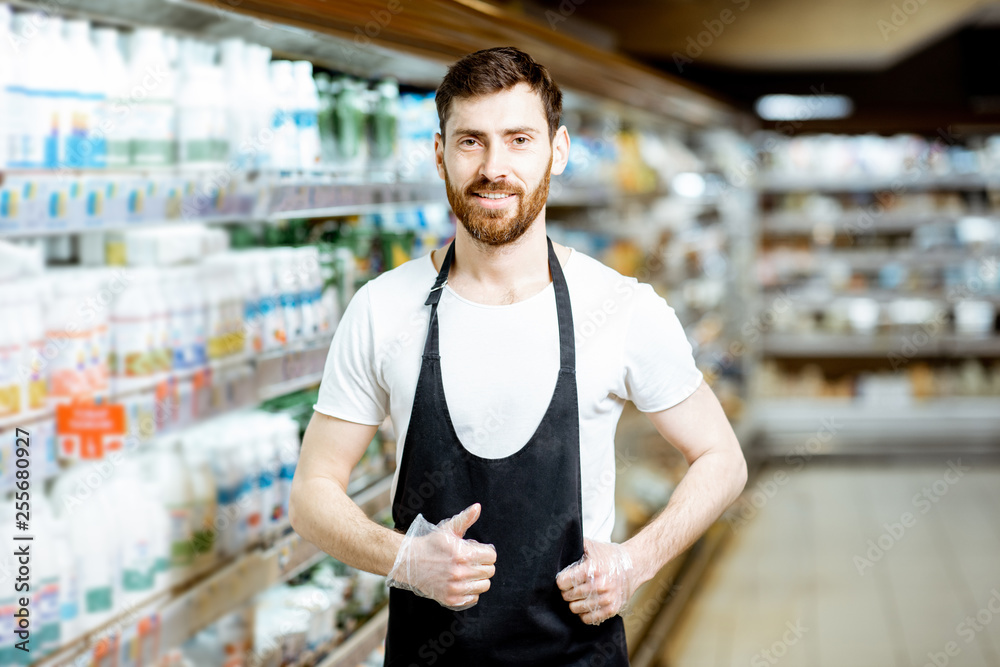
x,y
718,472
320,509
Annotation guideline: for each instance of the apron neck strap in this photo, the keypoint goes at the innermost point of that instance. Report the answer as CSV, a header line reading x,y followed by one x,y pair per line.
x,y
564,312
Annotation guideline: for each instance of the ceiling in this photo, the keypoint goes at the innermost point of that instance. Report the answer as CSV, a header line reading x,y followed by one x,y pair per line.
x,y
772,34
908,65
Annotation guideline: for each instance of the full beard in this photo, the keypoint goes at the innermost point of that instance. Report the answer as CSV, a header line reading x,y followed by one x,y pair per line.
x,y
497,227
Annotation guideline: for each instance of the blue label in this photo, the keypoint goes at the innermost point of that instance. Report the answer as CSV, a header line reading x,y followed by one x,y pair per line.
x,y
305,119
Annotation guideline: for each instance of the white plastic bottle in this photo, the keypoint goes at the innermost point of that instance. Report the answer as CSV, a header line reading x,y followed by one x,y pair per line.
x,y
62,91
99,342
199,106
69,335
310,289
167,469
194,308
47,576
306,115
32,366
250,461
141,548
87,96
153,120
133,335
205,505
288,285
111,128
6,81
285,149
244,271
287,445
12,347
238,104
269,477
31,107
272,316
80,497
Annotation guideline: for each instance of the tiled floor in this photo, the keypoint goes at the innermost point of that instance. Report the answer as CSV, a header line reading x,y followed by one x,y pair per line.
x,y
832,572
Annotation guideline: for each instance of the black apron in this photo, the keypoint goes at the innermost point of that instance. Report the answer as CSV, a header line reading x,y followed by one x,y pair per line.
x,y
531,511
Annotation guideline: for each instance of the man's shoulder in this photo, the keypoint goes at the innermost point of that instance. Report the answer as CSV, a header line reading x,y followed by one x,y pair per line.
x,y
595,275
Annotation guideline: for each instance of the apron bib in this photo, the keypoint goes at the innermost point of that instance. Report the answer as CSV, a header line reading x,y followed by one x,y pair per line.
x,y
531,512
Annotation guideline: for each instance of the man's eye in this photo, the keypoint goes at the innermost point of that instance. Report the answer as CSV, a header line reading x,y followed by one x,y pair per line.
x,y
521,140
468,142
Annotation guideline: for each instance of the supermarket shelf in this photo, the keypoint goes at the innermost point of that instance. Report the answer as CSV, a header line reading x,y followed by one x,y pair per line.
x,y
903,182
873,260
284,371
361,643
180,198
859,223
198,602
904,346
821,297
812,426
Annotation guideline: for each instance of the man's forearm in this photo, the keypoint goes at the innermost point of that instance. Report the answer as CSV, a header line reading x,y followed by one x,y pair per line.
x,y
325,515
710,485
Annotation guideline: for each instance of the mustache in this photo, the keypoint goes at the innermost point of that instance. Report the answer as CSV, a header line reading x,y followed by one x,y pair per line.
x,y
484,185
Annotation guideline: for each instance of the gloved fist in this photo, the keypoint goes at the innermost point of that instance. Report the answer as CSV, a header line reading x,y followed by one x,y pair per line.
x,y
435,561
599,585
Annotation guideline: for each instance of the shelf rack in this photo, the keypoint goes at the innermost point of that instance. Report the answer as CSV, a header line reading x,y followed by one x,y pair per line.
x,y
205,597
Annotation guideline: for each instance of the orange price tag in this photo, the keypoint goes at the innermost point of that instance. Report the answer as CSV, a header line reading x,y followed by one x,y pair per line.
x,y
89,431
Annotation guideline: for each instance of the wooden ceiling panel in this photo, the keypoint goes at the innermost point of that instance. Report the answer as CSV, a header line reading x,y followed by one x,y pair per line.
x,y
782,34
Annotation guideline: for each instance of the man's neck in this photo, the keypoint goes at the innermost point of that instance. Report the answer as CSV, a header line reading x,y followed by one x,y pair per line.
x,y
497,275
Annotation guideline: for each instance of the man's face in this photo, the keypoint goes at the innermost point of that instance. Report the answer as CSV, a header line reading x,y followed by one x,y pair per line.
x,y
496,158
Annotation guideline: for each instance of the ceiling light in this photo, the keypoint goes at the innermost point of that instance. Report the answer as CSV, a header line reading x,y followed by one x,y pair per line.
x,y
803,107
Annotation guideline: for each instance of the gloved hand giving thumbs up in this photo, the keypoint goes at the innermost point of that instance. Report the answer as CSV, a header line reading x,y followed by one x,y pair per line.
x,y
435,561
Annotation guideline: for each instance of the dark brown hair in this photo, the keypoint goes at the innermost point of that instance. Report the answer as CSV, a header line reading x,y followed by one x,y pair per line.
x,y
493,70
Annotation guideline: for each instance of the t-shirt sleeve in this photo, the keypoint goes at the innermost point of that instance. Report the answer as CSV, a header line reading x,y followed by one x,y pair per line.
x,y
350,389
659,367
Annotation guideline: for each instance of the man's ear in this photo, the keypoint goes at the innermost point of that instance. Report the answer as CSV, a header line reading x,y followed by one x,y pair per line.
x,y
560,150
439,154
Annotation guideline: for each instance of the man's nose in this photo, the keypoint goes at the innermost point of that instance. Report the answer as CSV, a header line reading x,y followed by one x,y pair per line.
x,y
495,163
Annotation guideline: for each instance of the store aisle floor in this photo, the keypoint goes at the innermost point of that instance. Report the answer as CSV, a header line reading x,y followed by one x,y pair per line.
x,y
854,565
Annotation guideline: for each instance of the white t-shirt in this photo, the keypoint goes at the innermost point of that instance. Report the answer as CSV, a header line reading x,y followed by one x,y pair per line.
x,y
499,364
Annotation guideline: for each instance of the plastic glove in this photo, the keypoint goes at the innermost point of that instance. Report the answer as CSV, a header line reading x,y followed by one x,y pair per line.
x,y
435,561
599,585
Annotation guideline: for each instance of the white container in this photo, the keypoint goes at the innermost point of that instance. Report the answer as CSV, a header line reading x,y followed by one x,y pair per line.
x,y
68,346
286,274
284,147
167,470
974,318
80,496
153,120
306,115
205,506
244,264
287,444
142,549
33,369
110,127
272,316
31,106
238,104
13,344
84,68
194,329
6,80
200,108
134,335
